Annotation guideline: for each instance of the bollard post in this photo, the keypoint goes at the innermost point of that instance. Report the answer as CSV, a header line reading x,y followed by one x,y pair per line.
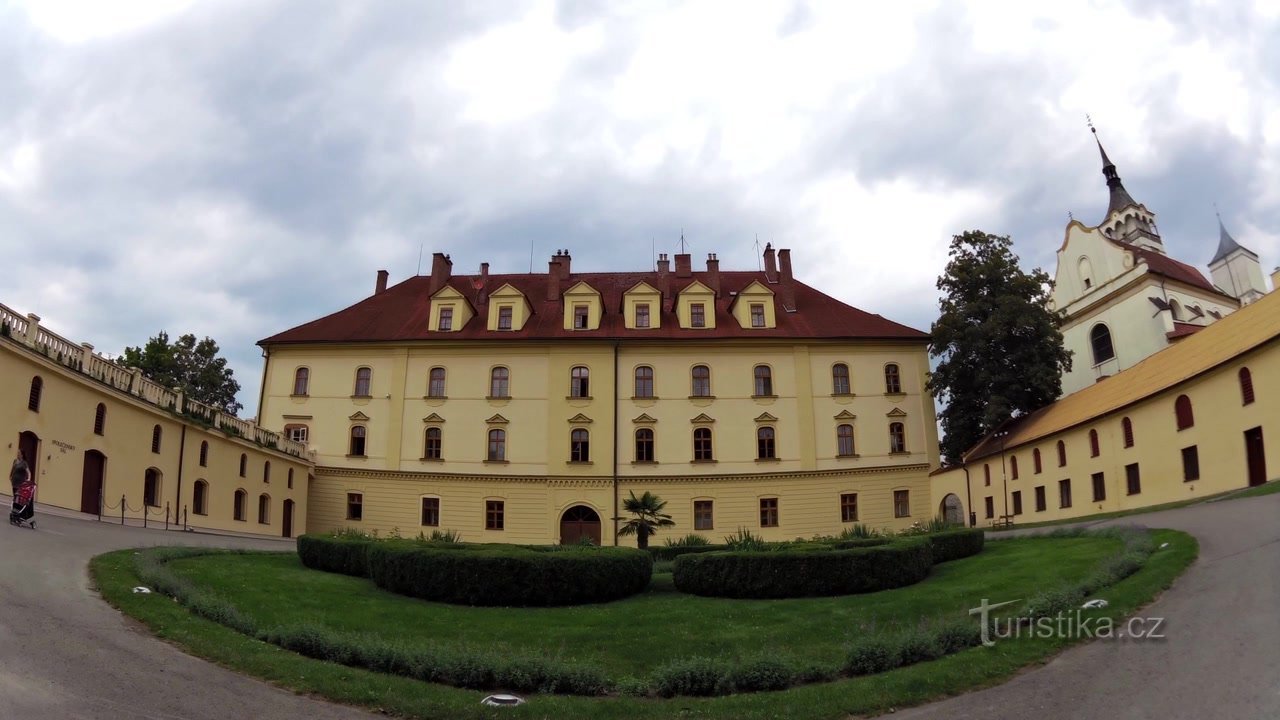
x,y
166,515
122,509
100,503
184,518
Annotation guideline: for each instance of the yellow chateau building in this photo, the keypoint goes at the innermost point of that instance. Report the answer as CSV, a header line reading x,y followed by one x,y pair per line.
x,y
525,408
104,439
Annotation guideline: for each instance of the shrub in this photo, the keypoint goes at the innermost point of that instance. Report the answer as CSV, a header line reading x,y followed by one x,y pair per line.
x,y
743,539
1051,602
956,544
761,674
859,531
690,540
871,655
509,575
698,676
671,552
817,572
443,536
859,543
338,553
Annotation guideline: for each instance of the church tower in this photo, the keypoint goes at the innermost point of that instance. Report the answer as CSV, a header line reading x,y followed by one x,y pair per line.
x,y
1236,269
1127,220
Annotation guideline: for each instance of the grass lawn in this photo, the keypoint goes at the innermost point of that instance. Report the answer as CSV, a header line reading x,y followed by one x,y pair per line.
x,y
1255,491
641,622
276,589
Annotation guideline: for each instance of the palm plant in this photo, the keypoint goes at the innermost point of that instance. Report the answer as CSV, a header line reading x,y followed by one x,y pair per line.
x,y
648,517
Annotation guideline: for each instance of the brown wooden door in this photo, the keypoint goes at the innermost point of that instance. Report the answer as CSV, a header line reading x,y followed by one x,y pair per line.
x,y
578,522
29,444
1257,456
287,522
95,465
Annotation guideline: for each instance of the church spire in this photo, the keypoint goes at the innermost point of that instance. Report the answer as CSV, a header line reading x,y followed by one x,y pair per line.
x,y
1120,198
1226,243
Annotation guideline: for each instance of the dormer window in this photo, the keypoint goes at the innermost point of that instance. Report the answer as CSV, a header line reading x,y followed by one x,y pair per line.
x,y
757,315
446,319
642,315
504,317
580,316
698,315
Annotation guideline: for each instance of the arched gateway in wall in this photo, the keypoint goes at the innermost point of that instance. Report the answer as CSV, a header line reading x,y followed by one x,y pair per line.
x,y
952,510
578,522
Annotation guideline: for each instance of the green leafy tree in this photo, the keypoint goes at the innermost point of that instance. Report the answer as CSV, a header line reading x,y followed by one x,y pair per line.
x,y
193,366
647,517
999,343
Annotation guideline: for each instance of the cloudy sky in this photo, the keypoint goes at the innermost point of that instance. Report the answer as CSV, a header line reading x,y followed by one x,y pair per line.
x,y
236,168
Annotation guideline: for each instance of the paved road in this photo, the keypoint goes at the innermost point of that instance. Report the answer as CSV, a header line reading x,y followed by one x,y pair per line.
x,y
1221,658
64,653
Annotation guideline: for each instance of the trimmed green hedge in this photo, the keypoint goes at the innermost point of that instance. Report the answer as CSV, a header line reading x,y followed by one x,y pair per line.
x,y
956,544
810,573
510,575
336,554
671,552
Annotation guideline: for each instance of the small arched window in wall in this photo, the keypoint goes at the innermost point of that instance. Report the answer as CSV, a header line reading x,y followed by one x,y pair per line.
x,y
644,382
244,465
701,376
435,382
579,446
497,450
702,445
433,450
1126,429
301,381
1182,412
766,448
266,472
1094,450
264,509
1013,466
1100,339
897,438
151,488
155,439
100,420
1086,273
37,389
1035,461
1246,386
499,382
357,441
364,382
892,379
579,382
644,445
844,440
238,509
763,380
840,379
1062,454
204,453
1175,309
200,498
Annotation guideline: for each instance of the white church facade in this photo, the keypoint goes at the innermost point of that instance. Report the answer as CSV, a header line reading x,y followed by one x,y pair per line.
x,y
1124,299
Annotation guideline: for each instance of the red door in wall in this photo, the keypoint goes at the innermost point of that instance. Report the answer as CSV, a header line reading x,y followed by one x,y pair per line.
x,y
1257,456
29,444
95,466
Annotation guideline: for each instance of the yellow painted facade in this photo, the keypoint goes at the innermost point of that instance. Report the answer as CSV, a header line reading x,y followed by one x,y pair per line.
x,y
537,477
1228,374
100,434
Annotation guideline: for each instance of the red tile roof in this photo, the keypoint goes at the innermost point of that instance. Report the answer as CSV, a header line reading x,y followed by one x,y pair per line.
x,y
1160,264
1181,330
401,313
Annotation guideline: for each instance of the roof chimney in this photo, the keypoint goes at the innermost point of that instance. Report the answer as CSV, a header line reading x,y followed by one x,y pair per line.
x,y
787,289
381,286
770,264
553,277
684,265
482,296
441,271
664,278
565,260
713,273
1275,279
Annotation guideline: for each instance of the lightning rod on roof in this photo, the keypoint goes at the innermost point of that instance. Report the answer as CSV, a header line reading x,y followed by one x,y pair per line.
x,y
759,266
419,258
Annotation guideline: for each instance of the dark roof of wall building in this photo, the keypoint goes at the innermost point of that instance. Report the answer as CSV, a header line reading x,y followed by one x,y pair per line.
x,y
401,312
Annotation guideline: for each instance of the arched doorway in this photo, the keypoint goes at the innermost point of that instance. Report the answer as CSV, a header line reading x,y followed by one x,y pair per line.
x,y
578,522
286,519
29,444
952,510
95,467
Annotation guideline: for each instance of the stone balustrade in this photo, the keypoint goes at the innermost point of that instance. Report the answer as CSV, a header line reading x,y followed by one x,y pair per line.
x,y
26,331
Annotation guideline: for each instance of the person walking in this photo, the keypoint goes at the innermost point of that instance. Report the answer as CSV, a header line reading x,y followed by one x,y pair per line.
x,y
19,473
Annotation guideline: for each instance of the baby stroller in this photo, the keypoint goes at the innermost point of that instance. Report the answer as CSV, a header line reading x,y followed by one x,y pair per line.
x,y
24,506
